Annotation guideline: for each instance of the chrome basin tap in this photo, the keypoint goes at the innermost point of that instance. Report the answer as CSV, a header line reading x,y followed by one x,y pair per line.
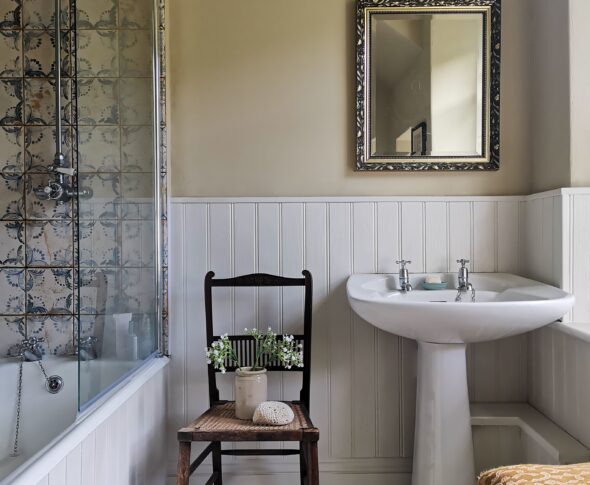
x,y
404,276
463,277
463,281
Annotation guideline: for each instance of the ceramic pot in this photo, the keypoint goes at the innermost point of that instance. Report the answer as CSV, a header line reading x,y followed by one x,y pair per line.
x,y
251,389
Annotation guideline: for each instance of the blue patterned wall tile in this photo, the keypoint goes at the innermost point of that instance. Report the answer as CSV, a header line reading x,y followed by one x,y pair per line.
x,y
12,197
40,102
44,209
136,101
40,53
49,291
98,101
11,53
12,291
137,242
49,243
39,14
100,243
40,147
135,47
99,149
98,55
137,152
10,14
99,290
104,204
11,102
137,287
11,150
12,245
56,332
12,332
96,14
135,14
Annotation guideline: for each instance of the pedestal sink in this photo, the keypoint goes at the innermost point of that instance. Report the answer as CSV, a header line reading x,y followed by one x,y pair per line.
x,y
504,305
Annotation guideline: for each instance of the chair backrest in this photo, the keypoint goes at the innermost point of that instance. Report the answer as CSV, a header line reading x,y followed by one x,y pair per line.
x,y
243,345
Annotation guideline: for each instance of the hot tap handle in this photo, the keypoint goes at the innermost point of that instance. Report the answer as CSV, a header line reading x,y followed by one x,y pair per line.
x,y
463,262
403,262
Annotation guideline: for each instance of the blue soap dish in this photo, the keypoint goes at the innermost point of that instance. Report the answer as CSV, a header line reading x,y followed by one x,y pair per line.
x,y
434,286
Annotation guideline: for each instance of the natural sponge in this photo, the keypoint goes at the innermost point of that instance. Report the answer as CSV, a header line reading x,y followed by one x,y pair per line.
x,y
273,413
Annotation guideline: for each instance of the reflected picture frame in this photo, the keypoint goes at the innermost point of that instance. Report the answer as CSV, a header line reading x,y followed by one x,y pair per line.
x,y
420,139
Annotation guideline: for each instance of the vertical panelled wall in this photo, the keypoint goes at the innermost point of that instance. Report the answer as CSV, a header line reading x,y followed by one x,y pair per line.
x,y
363,380
36,237
125,447
559,355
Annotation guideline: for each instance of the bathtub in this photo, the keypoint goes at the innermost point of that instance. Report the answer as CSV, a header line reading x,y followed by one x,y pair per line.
x,y
51,428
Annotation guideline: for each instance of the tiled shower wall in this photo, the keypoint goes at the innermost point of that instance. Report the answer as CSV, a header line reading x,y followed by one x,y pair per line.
x,y
38,275
36,238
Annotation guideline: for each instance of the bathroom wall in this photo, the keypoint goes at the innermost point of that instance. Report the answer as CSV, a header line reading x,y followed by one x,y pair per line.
x,y
36,238
548,96
580,92
363,379
557,232
262,103
111,102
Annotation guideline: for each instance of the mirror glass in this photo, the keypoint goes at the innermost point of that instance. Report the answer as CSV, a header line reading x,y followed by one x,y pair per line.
x,y
427,85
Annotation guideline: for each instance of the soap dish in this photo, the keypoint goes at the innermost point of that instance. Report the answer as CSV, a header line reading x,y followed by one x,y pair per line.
x,y
434,286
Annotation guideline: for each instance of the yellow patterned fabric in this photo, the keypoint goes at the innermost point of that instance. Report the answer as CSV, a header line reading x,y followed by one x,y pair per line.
x,y
537,475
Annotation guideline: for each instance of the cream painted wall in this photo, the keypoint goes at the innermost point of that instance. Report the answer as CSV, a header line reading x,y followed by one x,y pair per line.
x,y
580,92
549,94
262,103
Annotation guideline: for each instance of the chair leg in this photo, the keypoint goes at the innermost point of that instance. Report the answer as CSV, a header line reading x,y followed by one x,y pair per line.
x,y
184,463
303,459
216,456
313,470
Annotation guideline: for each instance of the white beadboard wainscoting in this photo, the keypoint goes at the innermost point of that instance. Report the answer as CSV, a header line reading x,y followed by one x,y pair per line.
x,y
363,380
559,355
118,442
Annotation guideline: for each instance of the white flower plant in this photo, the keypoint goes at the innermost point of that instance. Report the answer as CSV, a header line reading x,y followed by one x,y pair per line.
x,y
286,351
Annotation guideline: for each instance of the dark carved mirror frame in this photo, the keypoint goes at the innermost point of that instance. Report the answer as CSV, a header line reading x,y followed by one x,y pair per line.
x,y
490,160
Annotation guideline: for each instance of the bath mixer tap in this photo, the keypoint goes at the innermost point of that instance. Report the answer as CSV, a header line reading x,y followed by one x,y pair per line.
x,y
30,349
404,276
87,348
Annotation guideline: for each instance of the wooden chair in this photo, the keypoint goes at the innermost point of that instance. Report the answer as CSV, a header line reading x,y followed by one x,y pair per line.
x,y
218,423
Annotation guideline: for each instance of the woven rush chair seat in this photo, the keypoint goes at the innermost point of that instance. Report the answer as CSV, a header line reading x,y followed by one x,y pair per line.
x,y
220,424
537,475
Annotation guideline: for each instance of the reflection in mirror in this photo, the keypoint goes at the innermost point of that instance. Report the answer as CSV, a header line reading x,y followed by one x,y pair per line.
x,y
426,80
428,84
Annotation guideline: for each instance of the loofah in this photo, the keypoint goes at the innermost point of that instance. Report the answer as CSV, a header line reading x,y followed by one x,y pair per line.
x,y
273,413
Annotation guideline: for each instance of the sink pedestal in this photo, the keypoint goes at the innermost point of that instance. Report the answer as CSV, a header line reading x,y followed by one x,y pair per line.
x,y
443,448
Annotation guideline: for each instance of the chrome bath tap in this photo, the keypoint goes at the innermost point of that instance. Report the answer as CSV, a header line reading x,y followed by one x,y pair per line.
x,y
31,350
404,276
87,348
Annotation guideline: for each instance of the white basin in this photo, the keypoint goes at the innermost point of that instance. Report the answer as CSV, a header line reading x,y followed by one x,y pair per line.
x,y
504,305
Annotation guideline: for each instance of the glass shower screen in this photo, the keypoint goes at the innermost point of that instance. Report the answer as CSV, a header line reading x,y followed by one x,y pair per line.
x,y
118,205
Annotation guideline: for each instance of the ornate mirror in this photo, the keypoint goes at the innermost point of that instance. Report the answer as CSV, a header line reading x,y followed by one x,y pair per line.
x,y
428,85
